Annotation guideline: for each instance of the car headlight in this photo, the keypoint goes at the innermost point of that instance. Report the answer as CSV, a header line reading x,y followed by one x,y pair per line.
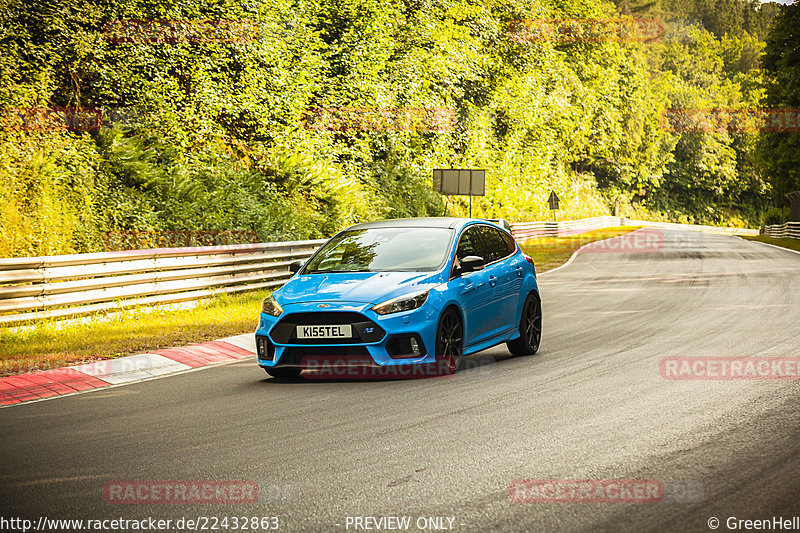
x,y
271,307
403,303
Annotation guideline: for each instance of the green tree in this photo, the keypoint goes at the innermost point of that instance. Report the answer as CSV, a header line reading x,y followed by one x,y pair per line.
x,y
779,152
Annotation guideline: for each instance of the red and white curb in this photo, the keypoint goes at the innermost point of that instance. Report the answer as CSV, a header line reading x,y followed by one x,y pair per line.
x,y
70,380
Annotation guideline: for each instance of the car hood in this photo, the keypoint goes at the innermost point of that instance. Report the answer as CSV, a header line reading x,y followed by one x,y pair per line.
x,y
365,287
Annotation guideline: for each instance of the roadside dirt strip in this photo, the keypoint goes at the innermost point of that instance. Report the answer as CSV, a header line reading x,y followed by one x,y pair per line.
x,y
70,380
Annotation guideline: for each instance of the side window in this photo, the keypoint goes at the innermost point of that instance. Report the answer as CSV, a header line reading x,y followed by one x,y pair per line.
x,y
497,247
510,242
470,244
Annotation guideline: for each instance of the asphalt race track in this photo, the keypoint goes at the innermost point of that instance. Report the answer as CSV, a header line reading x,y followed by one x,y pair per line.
x,y
591,405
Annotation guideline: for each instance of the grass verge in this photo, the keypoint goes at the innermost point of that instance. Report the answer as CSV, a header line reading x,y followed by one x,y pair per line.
x,y
785,242
50,344
551,252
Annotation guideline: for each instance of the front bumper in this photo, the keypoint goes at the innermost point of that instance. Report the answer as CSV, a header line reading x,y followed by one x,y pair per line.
x,y
378,340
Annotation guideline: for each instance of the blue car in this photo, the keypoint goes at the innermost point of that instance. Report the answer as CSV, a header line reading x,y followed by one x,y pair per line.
x,y
417,291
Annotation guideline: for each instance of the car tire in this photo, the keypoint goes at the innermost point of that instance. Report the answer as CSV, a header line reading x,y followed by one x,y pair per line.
x,y
284,373
449,341
530,328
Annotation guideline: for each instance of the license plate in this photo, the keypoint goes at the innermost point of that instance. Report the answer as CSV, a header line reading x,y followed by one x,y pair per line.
x,y
325,332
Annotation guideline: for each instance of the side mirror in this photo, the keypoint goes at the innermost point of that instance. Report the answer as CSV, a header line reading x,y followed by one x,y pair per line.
x,y
471,263
295,266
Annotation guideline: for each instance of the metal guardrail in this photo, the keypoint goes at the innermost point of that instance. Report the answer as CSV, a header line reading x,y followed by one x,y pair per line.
x,y
523,231
789,229
81,284
75,285
692,227
528,230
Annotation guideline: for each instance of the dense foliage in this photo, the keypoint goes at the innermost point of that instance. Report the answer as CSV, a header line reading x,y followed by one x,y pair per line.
x,y
779,153
220,129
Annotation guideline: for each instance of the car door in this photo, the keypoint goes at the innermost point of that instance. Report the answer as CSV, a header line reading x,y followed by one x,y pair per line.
x,y
473,289
502,278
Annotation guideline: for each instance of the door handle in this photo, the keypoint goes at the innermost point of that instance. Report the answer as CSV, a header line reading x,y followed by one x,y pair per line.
x,y
519,271
492,281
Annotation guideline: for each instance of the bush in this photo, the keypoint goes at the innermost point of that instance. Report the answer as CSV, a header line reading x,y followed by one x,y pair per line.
x,y
776,215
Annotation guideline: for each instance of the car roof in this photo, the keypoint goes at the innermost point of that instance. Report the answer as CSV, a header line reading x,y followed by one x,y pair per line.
x,y
429,222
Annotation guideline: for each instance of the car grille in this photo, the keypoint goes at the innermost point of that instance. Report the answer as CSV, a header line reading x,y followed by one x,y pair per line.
x,y
364,329
325,355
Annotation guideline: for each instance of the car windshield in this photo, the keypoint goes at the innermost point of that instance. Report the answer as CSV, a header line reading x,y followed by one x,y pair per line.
x,y
383,249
